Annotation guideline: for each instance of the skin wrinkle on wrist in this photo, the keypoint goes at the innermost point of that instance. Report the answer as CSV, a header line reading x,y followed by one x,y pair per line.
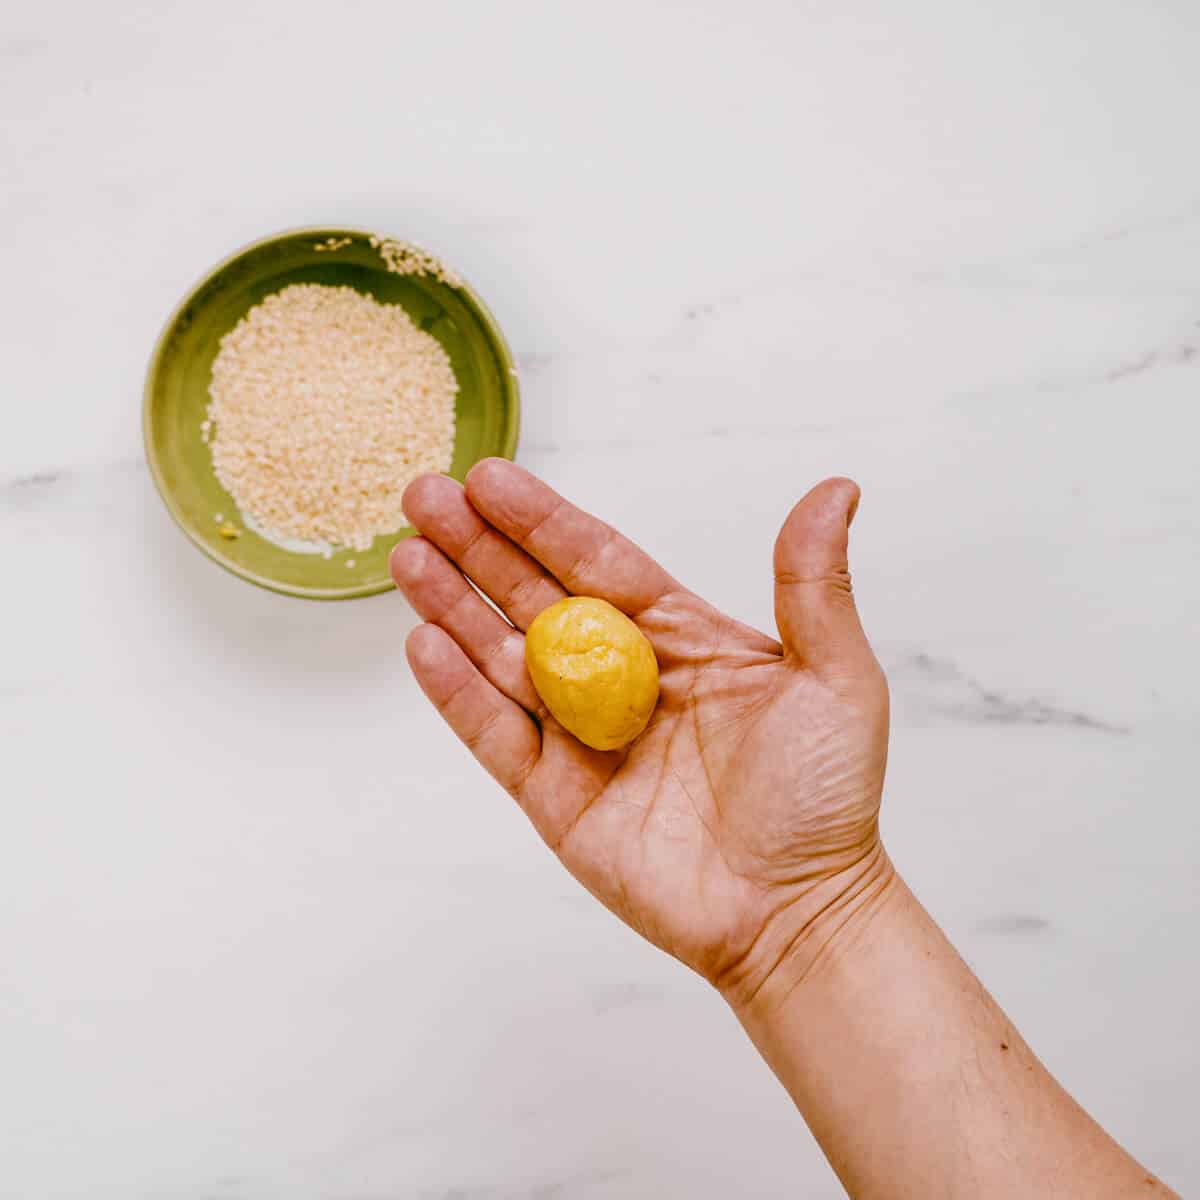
x,y
830,928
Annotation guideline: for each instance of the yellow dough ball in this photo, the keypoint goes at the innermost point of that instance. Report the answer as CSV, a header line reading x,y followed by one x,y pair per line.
x,y
594,669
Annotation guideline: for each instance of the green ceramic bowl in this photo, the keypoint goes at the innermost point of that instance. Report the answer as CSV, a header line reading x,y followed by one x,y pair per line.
x,y
177,382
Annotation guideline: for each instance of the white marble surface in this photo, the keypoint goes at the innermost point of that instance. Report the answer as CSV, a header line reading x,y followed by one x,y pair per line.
x,y
265,932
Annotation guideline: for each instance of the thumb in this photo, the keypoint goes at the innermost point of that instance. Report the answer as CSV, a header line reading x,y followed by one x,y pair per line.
x,y
814,604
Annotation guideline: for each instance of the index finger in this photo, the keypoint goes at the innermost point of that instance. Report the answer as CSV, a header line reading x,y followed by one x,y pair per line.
x,y
587,556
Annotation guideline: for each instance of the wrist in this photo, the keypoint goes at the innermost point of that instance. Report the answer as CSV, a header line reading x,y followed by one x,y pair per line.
x,y
822,930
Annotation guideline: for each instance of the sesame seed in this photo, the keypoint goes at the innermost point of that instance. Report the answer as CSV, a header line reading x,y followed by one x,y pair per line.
x,y
326,405
403,258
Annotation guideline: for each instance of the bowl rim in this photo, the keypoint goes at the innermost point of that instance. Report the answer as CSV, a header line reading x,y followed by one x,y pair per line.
x,y
507,449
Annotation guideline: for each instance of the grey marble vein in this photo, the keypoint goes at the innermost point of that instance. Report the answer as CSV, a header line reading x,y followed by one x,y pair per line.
x,y
609,997
35,488
24,47
941,687
1012,925
576,1184
37,479
1122,232
1180,352
1170,356
533,362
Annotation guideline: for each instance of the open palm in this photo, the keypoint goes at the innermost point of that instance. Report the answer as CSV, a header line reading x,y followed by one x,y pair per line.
x,y
746,815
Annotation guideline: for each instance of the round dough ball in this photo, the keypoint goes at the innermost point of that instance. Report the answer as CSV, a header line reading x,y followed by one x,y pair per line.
x,y
594,669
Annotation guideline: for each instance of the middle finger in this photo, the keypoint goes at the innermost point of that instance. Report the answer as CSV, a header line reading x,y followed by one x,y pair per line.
x,y
441,512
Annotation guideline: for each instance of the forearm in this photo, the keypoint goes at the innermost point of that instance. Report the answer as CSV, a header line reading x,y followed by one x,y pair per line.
x,y
911,1077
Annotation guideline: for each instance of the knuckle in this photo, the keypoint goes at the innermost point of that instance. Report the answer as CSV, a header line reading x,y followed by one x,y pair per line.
x,y
478,734
587,565
555,508
520,592
472,542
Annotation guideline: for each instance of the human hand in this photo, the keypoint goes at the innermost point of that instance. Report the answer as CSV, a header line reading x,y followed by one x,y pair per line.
x,y
740,831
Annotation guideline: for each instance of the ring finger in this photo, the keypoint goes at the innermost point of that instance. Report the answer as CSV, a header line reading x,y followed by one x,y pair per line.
x,y
443,597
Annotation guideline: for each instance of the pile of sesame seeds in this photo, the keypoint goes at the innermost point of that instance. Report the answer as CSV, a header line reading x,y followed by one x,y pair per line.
x,y
403,258
325,404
